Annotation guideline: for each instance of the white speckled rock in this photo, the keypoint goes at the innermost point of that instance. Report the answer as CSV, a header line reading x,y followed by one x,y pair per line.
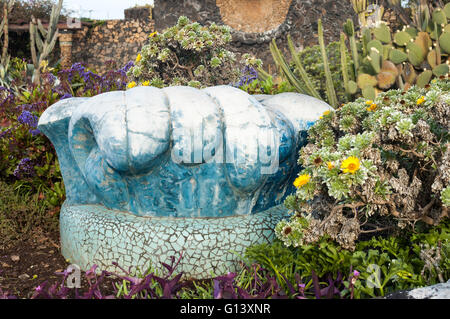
x,y
439,291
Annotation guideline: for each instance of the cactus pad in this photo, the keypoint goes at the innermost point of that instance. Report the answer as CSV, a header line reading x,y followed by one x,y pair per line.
x,y
424,78
402,38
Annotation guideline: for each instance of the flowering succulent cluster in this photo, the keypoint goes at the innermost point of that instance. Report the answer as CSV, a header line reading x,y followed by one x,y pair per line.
x,y
373,166
187,54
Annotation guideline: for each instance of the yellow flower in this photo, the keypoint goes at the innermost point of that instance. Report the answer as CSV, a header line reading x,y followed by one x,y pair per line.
x,y
372,107
330,165
131,85
370,102
421,100
350,165
325,114
146,83
138,58
153,34
302,180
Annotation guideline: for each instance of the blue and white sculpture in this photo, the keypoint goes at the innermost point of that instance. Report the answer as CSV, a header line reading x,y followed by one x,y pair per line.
x,y
151,173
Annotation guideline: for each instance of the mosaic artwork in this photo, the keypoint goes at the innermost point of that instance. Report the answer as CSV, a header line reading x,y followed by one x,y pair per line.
x,y
151,173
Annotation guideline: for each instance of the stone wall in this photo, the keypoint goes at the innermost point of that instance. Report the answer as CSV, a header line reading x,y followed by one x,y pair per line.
x,y
118,40
256,22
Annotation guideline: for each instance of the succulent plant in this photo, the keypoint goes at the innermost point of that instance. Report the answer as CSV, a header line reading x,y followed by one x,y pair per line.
x,y
411,56
382,59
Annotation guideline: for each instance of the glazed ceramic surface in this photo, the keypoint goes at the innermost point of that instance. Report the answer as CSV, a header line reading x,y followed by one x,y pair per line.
x,y
175,162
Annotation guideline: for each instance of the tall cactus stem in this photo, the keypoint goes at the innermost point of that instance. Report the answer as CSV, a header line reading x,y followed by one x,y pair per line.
x,y
331,93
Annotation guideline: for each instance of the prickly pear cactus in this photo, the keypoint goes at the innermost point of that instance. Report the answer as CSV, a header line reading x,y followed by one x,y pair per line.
x,y
411,56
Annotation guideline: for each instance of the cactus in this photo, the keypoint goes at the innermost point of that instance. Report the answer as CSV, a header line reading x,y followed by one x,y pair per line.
x,y
331,93
310,87
349,30
383,33
444,42
7,8
282,64
387,76
397,56
43,41
343,50
439,16
369,92
365,80
375,44
411,31
415,54
402,38
432,58
424,78
375,59
441,69
424,41
447,10
409,73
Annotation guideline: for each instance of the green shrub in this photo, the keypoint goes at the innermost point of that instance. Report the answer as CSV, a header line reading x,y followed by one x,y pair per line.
x,y
385,265
373,166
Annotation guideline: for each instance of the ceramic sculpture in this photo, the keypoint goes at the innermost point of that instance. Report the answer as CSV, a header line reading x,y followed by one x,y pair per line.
x,y
151,173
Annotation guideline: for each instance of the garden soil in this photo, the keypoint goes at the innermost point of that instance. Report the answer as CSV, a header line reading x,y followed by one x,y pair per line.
x,y
27,263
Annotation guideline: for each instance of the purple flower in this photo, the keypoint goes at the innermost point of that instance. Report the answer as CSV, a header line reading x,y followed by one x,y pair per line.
x,y
28,118
249,74
25,168
35,132
356,273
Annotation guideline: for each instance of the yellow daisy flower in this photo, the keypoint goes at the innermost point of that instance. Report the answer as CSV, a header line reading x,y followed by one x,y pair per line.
x,y
138,58
351,165
146,83
372,107
330,165
153,34
370,102
302,180
421,100
131,85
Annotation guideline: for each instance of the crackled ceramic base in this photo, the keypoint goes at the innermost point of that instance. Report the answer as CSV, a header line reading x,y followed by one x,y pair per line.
x,y
92,234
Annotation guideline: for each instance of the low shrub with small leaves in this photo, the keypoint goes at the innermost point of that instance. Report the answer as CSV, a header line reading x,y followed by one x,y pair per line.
x,y
188,54
373,166
377,267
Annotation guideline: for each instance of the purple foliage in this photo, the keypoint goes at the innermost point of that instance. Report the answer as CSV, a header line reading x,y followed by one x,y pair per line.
x,y
6,295
262,285
140,288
